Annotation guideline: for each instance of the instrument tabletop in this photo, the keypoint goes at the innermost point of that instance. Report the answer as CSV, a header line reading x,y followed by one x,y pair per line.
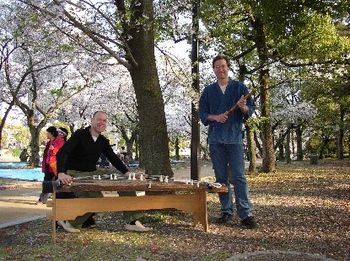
x,y
140,185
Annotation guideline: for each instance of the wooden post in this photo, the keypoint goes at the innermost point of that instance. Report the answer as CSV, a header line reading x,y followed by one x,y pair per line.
x,y
195,131
54,214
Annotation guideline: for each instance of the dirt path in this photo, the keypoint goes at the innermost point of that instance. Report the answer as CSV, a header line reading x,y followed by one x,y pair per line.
x,y
17,203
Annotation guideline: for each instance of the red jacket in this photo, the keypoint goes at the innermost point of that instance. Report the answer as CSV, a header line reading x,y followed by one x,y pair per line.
x,y
49,156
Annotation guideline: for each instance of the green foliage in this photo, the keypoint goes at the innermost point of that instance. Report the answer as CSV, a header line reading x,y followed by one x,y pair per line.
x,y
327,89
17,134
183,139
313,144
34,19
296,32
57,92
255,122
314,37
294,29
66,48
16,152
228,27
322,144
121,143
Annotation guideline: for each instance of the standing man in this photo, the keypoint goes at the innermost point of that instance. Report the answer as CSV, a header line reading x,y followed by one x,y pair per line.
x,y
225,138
78,157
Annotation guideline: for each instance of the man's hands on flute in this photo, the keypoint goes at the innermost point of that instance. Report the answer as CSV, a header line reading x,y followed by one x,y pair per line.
x,y
242,104
218,118
222,118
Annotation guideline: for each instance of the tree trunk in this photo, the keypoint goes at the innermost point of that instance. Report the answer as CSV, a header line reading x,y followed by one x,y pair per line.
x,y
288,159
251,150
137,155
349,140
195,143
281,151
129,141
153,130
257,144
34,159
269,159
292,139
34,146
299,139
280,147
323,145
129,145
177,148
340,139
3,120
195,129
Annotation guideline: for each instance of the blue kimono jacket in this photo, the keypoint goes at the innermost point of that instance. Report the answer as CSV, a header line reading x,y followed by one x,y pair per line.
x,y
213,101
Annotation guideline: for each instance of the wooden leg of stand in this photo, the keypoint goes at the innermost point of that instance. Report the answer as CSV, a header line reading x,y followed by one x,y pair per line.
x,y
200,214
54,217
203,209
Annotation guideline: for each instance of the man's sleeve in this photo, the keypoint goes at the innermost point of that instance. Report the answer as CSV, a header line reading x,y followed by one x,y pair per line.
x,y
204,108
250,103
113,158
65,151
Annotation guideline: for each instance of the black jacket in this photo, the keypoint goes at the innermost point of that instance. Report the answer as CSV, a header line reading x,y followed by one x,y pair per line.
x,y
81,153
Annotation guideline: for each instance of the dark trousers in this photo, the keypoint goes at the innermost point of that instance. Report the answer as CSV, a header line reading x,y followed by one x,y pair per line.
x,y
79,221
45,194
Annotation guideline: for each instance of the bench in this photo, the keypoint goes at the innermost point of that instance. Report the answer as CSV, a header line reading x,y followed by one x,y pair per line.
x,y
190,198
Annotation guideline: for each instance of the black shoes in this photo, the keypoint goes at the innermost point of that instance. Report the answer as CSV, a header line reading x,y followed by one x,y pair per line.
x,y
249,223
89,223
225,218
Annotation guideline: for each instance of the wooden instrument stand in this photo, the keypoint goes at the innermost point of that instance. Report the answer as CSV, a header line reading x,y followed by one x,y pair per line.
x,y
192,200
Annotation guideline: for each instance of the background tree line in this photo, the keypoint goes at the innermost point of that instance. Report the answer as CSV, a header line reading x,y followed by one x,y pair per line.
x,y
61,60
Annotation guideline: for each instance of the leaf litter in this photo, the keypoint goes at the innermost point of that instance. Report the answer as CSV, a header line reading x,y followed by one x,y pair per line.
x,y
301,208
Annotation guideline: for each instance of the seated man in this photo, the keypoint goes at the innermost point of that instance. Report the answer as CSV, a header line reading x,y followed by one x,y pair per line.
x,y
78,157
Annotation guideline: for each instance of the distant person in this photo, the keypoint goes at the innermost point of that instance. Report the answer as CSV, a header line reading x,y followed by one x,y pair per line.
x,y
23,157
225,138
103,162
124,154
49,162
78,158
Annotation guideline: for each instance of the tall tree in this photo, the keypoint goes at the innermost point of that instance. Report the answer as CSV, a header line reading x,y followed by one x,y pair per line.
x,y
328,89
41,75
124,30
8,44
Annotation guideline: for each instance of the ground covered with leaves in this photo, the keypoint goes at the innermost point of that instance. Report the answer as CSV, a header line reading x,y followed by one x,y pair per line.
x,y
302,211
